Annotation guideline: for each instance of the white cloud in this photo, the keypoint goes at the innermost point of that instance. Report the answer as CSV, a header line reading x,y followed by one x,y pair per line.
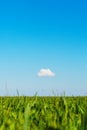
x,y
46,72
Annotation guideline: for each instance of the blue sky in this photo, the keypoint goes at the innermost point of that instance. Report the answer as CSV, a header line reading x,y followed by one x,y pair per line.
x,y
36,35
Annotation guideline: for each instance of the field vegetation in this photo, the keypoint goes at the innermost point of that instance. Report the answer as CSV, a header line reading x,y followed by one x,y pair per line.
x,y
43,113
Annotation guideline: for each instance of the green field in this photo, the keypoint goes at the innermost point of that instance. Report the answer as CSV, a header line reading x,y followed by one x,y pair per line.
x,y
43,113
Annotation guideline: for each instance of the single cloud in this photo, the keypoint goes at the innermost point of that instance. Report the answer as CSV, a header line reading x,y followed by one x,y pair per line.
x,y
46,72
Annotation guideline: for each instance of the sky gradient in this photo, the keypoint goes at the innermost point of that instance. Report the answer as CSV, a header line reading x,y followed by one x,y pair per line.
x,y
36,35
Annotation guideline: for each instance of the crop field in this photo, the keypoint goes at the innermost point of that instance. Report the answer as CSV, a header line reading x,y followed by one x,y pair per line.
x,y
43,113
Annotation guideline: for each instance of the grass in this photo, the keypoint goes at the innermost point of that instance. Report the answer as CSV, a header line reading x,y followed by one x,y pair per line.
x,y
43,113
